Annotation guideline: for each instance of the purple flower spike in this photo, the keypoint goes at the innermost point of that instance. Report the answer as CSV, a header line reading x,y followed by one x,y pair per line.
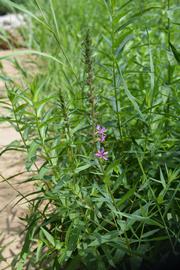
x,y
101,154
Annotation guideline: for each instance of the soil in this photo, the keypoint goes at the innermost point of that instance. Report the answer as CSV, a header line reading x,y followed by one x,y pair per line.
x,y
11,163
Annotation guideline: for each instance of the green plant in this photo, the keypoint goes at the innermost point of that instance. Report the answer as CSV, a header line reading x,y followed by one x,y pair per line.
x,y
92,213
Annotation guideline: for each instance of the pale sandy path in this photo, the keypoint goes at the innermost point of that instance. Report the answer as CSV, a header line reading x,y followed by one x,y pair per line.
x,y
11,163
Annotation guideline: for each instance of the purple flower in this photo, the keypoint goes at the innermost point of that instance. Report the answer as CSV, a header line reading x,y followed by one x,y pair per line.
x,y
100,130
101,154
98,127
102,138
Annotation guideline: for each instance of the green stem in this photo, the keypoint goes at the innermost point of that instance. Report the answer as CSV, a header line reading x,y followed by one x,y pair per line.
x,y
167,109
169,40
67,126
114,72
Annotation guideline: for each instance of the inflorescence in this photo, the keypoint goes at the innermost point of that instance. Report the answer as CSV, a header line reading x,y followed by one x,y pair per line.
x,y
100,131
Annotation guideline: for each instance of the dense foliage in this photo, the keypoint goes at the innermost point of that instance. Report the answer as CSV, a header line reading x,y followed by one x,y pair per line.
x,y
5,6
114,64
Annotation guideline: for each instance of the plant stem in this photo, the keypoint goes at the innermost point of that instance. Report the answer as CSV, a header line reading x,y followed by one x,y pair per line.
x,y
89,81
168,71
114,71
67,127
169,40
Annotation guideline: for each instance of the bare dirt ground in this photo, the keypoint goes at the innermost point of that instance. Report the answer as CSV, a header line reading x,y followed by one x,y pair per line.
x,y
11,163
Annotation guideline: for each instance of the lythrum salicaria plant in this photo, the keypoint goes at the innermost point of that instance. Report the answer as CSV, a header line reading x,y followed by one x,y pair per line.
x,y
102,202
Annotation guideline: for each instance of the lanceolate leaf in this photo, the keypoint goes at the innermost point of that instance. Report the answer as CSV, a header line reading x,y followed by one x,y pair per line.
x,y
175,52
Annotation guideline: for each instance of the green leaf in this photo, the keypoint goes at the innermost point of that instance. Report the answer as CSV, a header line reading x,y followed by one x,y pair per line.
x,y
39,249
114,166
31,158
72,237
49,237
20,108
163,182
175,52
32,52
150,233
123,44
126,196
102,239
82,168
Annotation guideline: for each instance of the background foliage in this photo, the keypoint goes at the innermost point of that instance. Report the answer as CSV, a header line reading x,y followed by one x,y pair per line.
x,y
113,63
5,6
